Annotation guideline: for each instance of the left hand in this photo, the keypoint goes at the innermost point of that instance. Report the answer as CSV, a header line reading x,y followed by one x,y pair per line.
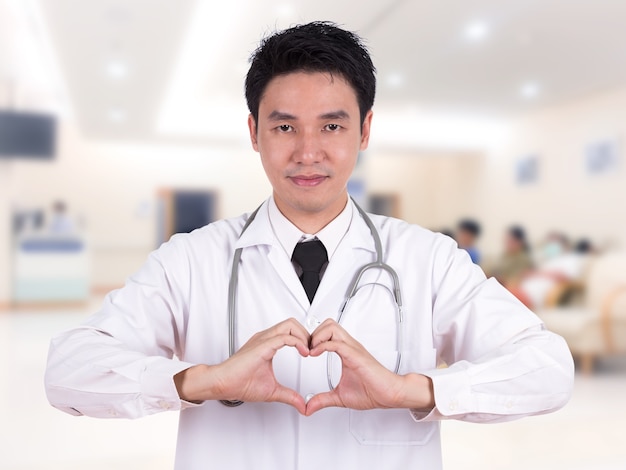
x,y
365,383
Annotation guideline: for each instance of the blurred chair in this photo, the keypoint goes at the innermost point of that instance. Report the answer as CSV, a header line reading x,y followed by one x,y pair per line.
x,y
598,327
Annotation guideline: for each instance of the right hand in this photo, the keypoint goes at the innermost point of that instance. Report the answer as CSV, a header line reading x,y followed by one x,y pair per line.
x,y
248,375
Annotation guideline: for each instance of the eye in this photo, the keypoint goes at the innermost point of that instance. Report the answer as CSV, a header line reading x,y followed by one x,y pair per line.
x,y
285,128
332,127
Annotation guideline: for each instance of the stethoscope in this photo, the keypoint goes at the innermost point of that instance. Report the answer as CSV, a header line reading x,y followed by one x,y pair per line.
x,y
353,288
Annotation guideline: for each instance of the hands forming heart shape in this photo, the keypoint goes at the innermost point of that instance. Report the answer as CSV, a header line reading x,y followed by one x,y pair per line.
x,y
248,375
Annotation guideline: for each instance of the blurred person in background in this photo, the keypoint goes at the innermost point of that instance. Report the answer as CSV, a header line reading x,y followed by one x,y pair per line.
x,y
558,276
516,260
555,244
60,223
467,233
256,333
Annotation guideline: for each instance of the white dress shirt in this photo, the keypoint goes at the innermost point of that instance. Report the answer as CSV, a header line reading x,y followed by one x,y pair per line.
x,y
502,363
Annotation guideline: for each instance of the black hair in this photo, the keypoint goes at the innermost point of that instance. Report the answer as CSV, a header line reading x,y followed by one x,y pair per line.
x,y
470,226
320,46
519,234
583,246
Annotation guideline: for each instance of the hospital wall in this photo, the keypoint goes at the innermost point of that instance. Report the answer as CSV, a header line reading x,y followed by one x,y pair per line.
x,y
566,196
113,186
440,187
111,189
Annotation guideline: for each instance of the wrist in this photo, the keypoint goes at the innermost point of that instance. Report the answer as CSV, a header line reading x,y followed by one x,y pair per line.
x,y
196,384
418,393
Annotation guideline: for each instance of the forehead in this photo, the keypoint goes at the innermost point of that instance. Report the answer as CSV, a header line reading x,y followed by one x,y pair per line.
x,y
306,89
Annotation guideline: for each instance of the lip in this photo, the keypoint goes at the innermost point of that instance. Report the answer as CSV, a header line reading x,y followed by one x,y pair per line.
x,y
308,180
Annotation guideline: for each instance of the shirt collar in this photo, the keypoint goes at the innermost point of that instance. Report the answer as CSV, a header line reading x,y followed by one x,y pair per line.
x,y
289,235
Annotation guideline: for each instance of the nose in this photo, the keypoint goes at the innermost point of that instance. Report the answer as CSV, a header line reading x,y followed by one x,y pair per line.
x,y
308,147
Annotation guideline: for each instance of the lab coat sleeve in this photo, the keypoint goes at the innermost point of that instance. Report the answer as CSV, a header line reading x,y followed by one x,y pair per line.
x,y
502,363
120,362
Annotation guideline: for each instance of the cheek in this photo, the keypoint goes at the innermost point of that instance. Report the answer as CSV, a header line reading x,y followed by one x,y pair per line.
x,y
273,165
348,160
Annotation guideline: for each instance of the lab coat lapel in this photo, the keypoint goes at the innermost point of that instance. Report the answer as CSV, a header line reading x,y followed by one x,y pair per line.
x,y
284,268
260,233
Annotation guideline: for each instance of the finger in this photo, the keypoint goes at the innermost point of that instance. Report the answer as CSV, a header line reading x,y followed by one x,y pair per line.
x,y
332,338
280,341
327,331
292,327
321,401
290,397
333,345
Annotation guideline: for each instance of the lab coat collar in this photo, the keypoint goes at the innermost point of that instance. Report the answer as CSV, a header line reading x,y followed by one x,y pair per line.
x,y
260,231
289,235
357,237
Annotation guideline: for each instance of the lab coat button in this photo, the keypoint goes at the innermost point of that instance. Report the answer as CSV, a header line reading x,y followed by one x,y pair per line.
x,y
311,323
452,405
164,405
509,404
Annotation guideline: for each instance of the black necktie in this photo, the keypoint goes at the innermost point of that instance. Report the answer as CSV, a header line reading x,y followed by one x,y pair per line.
x,y
311,256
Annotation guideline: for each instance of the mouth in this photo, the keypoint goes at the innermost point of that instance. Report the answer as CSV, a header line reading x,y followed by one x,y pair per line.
x,y
308,180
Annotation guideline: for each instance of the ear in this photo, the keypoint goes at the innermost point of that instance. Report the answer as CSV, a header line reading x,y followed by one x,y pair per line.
x,y
365,130
253,132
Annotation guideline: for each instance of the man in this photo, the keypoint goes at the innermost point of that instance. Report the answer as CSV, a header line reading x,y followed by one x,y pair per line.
x,y
310,91
467,233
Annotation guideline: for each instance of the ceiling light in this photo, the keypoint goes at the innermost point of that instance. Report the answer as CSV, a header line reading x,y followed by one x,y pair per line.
x,y
117,115
117,70
395,80
529,90
285,11
476,31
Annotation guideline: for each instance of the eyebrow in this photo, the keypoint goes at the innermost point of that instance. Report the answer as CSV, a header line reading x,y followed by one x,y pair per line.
x,y
283,116
280,116
339,114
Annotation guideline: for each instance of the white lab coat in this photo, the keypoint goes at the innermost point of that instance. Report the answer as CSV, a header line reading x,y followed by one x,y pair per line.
x,y
503,363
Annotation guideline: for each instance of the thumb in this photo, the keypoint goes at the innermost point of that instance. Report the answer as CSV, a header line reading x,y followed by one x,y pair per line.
x,y
322,400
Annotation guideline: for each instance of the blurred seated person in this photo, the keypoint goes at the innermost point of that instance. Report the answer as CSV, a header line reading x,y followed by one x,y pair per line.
x,y
467,233
60,221
516,261
558,275
555,244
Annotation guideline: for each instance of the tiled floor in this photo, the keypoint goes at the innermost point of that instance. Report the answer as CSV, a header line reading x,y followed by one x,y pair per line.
x,y
586,435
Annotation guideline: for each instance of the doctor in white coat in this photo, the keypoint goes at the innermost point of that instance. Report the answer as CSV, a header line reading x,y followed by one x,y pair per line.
x,y
467,349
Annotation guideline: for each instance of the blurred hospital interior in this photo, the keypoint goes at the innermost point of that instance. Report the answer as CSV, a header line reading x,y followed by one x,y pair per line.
x,y
500,123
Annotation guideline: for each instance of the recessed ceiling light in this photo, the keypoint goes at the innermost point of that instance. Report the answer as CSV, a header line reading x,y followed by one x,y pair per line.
x,y
117,70
395,80
117,115
476,31
529,90
285,11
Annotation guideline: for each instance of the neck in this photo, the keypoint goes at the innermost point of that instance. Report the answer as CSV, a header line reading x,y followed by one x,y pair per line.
x,y
312,221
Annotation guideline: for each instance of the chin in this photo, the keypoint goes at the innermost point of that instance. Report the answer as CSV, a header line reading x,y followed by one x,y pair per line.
x,y
310,206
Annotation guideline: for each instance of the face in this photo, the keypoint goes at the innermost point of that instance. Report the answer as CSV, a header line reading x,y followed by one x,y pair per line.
x,y
464,238
309,135
512,244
